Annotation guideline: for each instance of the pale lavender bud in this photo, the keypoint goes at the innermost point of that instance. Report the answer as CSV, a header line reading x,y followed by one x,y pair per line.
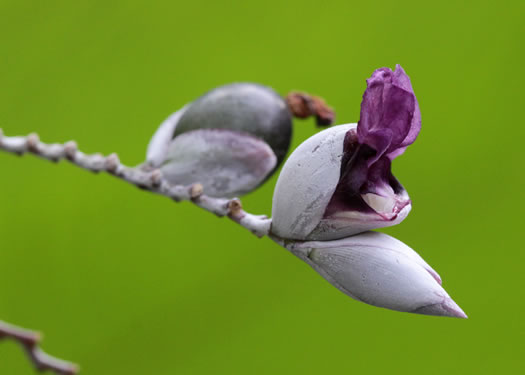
x,y
230,140
225,162
338,182
379,270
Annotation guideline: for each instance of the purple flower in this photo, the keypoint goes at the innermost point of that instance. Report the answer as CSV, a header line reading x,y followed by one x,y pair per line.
x,y
339,182
338,185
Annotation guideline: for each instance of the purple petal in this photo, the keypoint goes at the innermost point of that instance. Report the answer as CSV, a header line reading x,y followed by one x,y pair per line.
x,y
389,110
390,121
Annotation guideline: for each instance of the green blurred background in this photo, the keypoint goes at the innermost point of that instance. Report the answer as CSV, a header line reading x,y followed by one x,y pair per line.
x,y
126,282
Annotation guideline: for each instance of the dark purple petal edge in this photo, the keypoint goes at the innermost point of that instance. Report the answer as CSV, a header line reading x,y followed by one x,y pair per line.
x,y
390,120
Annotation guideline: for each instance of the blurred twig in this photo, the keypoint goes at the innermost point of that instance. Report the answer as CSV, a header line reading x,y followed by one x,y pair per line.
x,y
30,340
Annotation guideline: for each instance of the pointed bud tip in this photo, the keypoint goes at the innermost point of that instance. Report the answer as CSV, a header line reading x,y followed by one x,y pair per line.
x,y
446,308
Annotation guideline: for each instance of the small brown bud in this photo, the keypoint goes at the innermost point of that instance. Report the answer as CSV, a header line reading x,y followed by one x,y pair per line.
x,y
303,105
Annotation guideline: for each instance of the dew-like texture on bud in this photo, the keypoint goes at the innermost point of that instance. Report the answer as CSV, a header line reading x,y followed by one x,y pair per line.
x,y
379,270
225,162
245,107
365,195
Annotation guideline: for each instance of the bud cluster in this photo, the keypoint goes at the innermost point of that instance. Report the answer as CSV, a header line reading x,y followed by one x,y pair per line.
x,y
332,191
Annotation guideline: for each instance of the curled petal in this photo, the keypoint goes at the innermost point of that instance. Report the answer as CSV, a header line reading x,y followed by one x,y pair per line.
x,y
227,163
390,118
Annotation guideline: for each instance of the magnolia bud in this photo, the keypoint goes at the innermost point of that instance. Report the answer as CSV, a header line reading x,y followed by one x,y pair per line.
x,y
230,140
377,269
338,182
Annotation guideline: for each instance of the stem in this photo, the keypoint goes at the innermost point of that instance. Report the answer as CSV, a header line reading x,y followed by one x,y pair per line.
x,y
30,340
150,180
142,177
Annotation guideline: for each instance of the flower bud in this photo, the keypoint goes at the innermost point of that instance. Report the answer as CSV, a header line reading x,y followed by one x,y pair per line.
x,y
379,270
230,140
339,182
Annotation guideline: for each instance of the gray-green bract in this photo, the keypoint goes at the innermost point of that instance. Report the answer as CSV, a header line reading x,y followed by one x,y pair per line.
x,y
230,140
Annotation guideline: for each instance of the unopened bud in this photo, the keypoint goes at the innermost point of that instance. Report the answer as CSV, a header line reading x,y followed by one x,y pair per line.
x,y
230,140
377,269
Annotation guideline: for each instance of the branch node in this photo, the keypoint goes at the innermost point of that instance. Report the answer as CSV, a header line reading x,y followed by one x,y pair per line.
x,y
156,178
70,149
196,191
32,143
234,207
37,337
112,163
